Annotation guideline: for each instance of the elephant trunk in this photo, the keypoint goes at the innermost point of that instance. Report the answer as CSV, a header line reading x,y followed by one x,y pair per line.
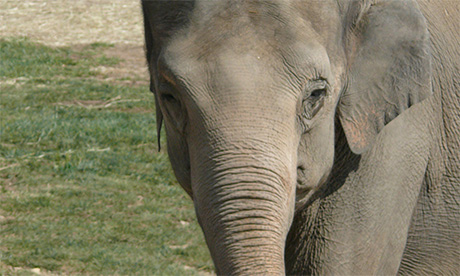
x,y
244,200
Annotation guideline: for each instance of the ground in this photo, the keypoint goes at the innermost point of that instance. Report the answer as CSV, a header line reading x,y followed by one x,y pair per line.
x,y
78,23
83,189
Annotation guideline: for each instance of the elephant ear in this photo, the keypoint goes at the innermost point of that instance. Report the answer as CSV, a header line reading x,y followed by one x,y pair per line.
x,y
161,20
389,68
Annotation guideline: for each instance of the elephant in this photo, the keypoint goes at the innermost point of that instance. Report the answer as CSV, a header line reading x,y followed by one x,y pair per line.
x,y
314,137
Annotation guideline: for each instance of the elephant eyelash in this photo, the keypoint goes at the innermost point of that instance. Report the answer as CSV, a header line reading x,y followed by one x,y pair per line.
x,y
316,89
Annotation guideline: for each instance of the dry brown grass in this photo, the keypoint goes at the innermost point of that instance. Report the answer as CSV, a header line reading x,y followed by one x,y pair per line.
x,y
80,22
67,22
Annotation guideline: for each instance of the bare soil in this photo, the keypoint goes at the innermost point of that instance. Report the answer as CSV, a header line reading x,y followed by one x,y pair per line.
x,y
75,23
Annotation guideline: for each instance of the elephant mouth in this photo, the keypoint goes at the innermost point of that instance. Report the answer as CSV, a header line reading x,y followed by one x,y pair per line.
x,y
307,187
304,184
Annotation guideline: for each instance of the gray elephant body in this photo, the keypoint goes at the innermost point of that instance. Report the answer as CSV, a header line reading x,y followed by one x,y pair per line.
x,y
315,137
406,222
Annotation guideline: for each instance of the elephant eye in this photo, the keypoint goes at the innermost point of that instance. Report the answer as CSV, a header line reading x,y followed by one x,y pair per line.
x,y
168,98
312,102
166,92
312,105
318,93
171,105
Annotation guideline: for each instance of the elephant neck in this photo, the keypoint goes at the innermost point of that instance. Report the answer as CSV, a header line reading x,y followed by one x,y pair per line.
x,y
446,84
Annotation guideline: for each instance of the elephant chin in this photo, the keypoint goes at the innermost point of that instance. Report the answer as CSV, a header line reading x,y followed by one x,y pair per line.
x,y
245,212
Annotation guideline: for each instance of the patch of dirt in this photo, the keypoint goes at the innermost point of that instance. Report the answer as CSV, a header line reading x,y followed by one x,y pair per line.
x,y
67,22
81,22
136,110
132,67
98,104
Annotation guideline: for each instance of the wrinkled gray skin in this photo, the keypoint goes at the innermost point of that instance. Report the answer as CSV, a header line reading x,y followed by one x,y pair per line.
x,y
314,137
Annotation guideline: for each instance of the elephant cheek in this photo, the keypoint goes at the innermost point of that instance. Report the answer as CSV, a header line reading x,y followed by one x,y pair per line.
x,y
178,153
315,159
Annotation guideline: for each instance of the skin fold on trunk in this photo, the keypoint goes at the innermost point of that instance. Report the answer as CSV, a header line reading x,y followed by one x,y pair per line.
x,y
243,198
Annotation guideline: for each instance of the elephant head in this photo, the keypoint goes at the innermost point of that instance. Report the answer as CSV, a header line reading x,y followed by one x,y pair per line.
x,y
250,92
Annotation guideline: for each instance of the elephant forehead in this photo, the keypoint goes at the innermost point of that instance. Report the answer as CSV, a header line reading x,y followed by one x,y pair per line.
x,y
250,77
268,26
246,46
232,71
189,54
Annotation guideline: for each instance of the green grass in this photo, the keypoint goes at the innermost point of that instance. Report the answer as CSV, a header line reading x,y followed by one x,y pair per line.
x,y
83,188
